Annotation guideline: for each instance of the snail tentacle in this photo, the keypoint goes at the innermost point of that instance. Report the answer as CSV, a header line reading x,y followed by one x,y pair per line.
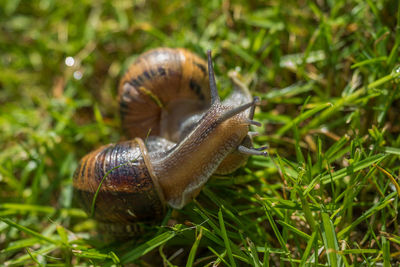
x,y
213,86
252,151
230,113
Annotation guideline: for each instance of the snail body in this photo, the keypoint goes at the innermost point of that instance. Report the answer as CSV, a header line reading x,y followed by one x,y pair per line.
x,y
190,134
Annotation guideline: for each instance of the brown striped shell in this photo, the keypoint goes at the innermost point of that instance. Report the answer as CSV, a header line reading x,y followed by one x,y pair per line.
x,y
126,182
161,89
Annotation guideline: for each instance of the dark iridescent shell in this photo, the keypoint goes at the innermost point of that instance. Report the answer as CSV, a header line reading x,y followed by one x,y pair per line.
x,y
128,193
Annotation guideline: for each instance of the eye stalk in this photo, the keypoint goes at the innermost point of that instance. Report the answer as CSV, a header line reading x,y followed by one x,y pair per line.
x,y
255,123
211,76
230,113
253,108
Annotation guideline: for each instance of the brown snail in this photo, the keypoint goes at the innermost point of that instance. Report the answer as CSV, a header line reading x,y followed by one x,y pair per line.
x,y
189,135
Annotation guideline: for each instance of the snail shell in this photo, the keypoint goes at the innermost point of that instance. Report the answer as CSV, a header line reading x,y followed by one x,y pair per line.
x,y
160,90
128,182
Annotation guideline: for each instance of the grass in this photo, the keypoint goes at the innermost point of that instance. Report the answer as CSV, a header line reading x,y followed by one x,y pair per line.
x,y
328,76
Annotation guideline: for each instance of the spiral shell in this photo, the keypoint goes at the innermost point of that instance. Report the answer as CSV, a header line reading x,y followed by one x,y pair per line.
x,y
128,193
160,90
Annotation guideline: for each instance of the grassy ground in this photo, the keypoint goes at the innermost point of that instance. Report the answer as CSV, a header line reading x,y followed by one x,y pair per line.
x,y
327,73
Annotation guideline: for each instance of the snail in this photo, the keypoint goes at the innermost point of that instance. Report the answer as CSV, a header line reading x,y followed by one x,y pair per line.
x,y
180,134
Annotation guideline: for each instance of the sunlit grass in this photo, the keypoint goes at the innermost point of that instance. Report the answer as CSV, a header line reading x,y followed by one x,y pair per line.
x,y
327,74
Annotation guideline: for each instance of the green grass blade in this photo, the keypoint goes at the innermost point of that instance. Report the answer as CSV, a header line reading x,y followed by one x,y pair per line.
x,y
310,245
375,208
294,230
220,256
93,206
276,230
253,253
302,117
147,246
386,252
193,250
226,239
28,231
343,172
330,241
391,150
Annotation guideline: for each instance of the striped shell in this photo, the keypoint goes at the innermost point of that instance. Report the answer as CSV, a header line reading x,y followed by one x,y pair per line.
x,y
127,194
159,89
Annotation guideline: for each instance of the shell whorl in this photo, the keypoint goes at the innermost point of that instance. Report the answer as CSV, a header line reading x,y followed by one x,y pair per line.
x,y
160,86
128,183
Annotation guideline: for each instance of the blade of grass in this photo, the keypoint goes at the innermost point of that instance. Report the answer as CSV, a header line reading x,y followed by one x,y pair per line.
x,y
310,245
391,178
294,230
30,232
220,257
253,253
344,172
332,109
93,206
330,241
147,246
33,257
225,237
18,208
391,150
374,209
95,255
193,250
302,117
276,230
22,260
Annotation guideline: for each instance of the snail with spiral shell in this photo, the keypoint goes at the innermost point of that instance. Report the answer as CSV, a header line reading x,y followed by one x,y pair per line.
x,y
181,134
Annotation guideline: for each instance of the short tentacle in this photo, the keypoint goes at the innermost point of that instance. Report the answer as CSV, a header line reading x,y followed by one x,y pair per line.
x,y
256,99
252,151
255,123
262,148
253,134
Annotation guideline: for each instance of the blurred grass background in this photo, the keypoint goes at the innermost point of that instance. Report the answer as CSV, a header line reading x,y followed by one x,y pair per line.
x,y
327,72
